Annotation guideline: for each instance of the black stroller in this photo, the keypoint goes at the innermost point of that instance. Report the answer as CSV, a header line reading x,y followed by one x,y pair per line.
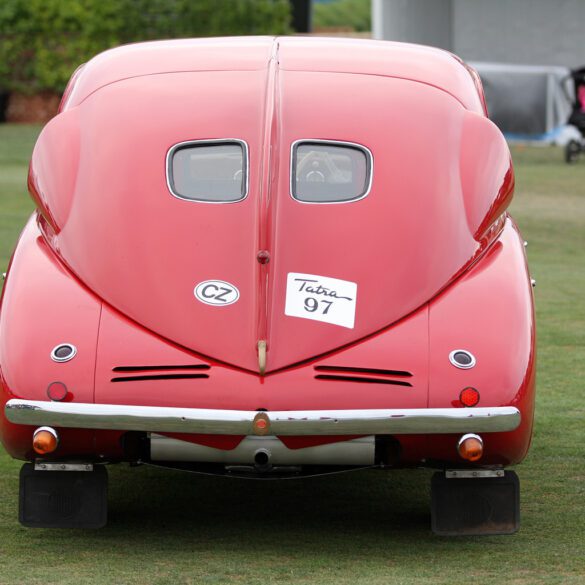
x,y
577,118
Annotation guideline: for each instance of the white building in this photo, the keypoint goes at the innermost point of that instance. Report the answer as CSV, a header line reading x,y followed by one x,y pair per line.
x,y
527,32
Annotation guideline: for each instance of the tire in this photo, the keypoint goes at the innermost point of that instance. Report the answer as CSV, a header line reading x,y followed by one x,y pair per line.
x,y
572,151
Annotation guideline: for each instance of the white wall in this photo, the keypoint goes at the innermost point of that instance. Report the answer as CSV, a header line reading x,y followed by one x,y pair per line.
x,y
534,32
427,22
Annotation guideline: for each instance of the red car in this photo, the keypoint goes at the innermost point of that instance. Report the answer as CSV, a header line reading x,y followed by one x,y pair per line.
x,y
270,258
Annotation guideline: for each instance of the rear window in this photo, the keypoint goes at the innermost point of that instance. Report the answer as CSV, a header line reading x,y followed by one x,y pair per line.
x,y
330,172
209,171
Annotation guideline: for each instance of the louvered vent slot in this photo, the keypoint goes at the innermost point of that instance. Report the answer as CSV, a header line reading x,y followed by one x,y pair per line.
x,y
160,377
180,372
363,375
159,368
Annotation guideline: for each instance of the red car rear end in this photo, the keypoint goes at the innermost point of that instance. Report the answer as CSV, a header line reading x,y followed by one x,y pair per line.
x,y
270,258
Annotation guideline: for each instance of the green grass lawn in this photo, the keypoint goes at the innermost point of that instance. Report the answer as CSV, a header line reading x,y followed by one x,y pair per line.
x,y
361,528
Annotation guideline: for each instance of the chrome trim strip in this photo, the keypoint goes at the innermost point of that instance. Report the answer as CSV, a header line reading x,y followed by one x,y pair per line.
x,y
283,423
46,466
361,147
50,430
473,473
180,145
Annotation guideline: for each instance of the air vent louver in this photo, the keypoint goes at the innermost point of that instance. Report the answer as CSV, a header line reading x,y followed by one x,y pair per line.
x,y
179,372
362,375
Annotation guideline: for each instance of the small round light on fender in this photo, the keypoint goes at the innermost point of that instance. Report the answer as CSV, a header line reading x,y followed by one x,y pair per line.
x,y
470,447
469,396
45,440
462,359
63,352
57,391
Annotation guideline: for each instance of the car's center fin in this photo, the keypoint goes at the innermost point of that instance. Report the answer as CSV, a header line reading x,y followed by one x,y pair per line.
x,y
267,201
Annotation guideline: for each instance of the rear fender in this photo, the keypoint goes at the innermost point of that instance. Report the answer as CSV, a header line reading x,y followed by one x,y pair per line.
x,y
487,175
53,168
490,313
43,306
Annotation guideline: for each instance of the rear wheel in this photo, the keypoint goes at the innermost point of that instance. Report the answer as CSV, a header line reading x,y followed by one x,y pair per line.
x,y
572,151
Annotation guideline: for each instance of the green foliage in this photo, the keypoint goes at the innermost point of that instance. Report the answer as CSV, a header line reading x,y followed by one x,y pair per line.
x,y
343,14
43,41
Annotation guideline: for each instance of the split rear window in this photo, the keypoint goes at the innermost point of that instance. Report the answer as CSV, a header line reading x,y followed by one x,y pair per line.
x,y
330,172
209,171
322,171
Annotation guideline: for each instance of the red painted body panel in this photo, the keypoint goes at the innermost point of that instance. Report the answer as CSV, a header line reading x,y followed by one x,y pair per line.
x,y
490,313
504,374
43,306
168,245
424,64
113,266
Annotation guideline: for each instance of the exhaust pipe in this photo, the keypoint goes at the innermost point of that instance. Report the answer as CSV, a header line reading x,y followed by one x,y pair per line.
x,y
262,459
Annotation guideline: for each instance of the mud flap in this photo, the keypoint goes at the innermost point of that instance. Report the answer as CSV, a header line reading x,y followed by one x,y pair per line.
x,y
475,506
63,499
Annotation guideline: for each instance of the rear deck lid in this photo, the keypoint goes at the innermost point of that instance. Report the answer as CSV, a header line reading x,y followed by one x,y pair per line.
x,y
217,261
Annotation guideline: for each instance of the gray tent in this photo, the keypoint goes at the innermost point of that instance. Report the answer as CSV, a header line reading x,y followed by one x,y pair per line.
x,y
529,103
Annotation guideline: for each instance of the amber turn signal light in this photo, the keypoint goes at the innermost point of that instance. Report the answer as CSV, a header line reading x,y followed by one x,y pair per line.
x,y
45,440
470,447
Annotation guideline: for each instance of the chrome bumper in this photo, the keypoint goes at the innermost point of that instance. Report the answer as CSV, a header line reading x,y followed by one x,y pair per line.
x,y
281,423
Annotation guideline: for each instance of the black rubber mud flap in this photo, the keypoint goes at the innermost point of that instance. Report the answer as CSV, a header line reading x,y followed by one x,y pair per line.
x,y
475,506
63,499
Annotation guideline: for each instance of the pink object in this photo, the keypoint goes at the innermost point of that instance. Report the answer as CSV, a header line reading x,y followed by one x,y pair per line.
x,y
581,97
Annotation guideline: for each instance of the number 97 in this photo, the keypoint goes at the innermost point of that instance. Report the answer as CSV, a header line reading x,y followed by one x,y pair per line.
x,y
312,305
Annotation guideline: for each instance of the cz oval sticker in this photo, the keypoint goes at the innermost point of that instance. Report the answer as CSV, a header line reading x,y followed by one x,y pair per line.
x,y
217,293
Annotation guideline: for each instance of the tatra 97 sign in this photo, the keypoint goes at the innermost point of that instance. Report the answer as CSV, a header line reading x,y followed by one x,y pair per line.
x,y
321,298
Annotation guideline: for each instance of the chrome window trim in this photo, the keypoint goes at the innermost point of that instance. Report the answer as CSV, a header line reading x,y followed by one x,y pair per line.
x,y
364,149
208,141
427,421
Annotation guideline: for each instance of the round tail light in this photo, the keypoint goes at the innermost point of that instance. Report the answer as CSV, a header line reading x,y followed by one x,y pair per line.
x,y
469,396
45,440
470,447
